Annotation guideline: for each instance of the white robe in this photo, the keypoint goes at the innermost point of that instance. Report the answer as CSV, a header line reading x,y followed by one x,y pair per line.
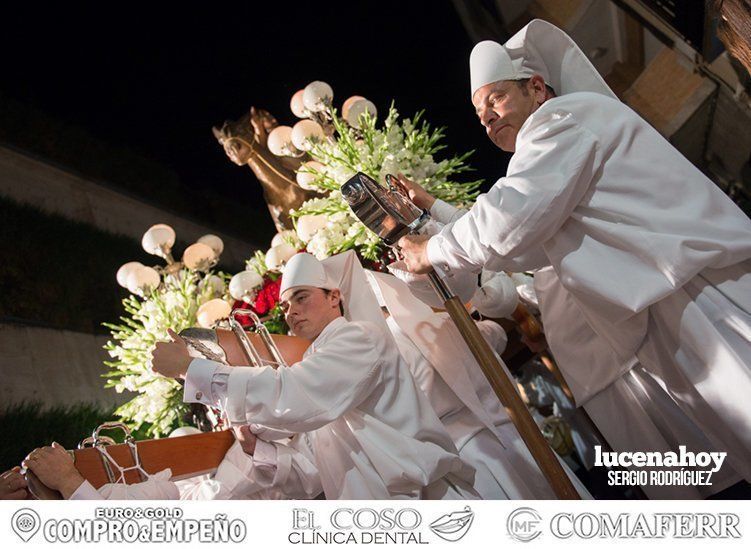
x,y
581,431
632,231
633,412
372,432
462,397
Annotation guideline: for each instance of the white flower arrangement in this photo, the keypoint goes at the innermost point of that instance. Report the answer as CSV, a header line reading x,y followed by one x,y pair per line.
x,y
407,146
325,226
173,304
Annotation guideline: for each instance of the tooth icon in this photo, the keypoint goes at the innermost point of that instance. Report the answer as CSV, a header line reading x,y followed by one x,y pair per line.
x,y
25,523
453,526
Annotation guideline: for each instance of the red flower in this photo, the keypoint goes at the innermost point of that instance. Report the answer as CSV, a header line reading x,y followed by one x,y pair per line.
x,y
267,297
244,321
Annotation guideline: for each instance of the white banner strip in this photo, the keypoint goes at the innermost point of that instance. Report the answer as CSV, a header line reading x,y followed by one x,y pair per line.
x,y
272,524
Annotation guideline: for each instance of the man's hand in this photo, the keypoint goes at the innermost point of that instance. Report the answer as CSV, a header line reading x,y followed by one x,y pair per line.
x,y
55,468
13,485
414,250
419,196
246,438
171,359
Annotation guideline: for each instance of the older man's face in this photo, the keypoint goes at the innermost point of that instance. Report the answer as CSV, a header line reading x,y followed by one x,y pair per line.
x,y
502,108
308,310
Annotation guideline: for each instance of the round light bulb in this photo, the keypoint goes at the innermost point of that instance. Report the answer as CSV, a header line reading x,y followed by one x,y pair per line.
x,y
212,311
244,283
348,103
308,225
216,283
307,180
199,257
213,242
317,95
280,141
124,271
297,106
278,255
143,280
158,239
306,133
282,237
185,431
357,109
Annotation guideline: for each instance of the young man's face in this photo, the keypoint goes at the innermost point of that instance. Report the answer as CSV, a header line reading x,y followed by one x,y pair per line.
x,y
503,107
309,310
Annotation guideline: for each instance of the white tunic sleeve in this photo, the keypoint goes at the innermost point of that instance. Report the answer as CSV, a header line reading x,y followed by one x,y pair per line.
x,y
445,213
277,471
547,177
86,491
158,486
334,379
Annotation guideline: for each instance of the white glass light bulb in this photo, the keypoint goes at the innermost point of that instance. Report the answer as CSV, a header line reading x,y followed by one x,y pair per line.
x,y
280,141
124,271
143,280
199,257
306,179
283,236
297,106
158,239
213,242
278,255
244,283
316,95
308,225
217,284
212,311
305,133
185,431
348,103
357,109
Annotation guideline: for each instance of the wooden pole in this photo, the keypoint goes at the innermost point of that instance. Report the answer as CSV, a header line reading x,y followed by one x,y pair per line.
x,y
531,329
506,392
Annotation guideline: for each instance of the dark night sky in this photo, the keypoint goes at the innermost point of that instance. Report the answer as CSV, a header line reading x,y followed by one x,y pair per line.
x,y
155,79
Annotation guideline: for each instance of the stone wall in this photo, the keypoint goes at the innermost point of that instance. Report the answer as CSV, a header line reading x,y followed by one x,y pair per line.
x,y
61,367
55,367
53,189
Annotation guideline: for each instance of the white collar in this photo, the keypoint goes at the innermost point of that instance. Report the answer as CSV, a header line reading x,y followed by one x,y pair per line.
x,y
326,333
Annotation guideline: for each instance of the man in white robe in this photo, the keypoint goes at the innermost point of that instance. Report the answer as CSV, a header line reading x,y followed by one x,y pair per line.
x,y
372,432
633,413
654,257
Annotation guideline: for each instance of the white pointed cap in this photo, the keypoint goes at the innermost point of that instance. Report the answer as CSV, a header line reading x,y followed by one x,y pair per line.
x,y
490,62
305,270
539,48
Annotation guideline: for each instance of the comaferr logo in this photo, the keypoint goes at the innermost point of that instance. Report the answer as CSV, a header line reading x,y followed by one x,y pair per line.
x,y
641,525
524,524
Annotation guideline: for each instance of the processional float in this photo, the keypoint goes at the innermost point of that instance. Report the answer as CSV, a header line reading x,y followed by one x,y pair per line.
x,y
100,460
388,214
